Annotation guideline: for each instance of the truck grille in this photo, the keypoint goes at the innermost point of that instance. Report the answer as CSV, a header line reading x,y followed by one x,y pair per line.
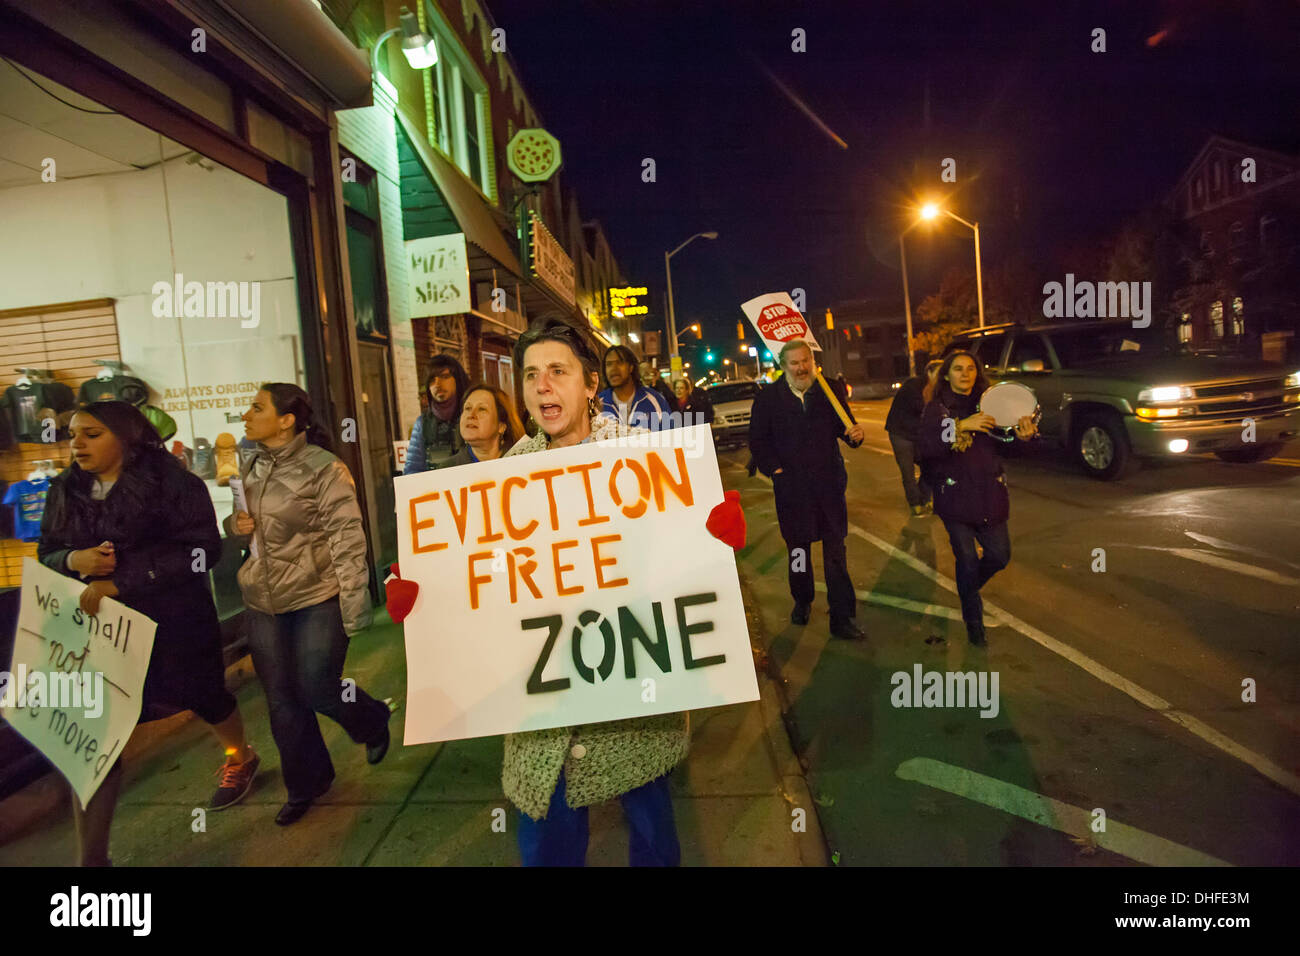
x,y
1260,396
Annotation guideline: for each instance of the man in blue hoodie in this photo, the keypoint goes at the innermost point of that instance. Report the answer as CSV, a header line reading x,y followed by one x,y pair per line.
x,y
631,403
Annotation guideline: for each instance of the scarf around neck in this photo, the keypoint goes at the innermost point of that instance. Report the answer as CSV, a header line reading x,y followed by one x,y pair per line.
x,y
444,410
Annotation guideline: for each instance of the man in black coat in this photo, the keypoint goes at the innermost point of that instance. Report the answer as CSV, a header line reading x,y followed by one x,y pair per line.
x,y
793,433
903,423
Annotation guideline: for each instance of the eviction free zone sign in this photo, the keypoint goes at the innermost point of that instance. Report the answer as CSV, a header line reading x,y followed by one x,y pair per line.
x,y
568,587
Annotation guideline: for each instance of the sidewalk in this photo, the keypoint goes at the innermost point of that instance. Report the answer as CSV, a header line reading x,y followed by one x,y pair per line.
x,y
429,805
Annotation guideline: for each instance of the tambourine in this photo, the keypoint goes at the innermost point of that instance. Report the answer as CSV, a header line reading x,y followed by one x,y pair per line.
x,y
1008,402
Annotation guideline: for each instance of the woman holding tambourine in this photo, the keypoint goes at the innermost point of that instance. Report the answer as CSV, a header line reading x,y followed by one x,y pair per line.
x,y
960,430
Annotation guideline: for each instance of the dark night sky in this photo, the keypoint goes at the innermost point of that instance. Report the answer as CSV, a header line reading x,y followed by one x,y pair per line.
x,y
1055,145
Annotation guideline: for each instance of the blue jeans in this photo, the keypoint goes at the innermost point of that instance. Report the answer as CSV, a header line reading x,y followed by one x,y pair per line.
x,y
972,570
299,659
560,839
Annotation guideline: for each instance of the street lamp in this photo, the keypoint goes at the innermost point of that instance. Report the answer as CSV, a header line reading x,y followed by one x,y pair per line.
x,y
694,328
420,49
931,211
668,270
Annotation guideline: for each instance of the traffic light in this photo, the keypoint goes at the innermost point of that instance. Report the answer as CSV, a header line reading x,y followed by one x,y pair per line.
x,y
740,330
709,358
830,321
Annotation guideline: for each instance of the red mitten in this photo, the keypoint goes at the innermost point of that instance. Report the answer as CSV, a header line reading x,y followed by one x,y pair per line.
x,y
401,595
727,521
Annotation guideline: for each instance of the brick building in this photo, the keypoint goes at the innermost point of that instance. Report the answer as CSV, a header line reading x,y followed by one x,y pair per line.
x,y
1245,289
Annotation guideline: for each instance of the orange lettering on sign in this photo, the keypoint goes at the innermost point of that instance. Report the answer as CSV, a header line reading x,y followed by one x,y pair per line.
x,y
525,569
659,474
548,476
584,470
487,535
476,579
417,524
643,486
516,534
602,562
461,517
560,589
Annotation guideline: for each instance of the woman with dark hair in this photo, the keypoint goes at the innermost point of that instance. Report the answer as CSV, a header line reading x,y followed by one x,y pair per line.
x,y
553,776
435,436
127,518
305,585
489,425
963,469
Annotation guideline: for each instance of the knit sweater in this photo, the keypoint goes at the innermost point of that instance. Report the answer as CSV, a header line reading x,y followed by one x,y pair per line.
x,y
600,761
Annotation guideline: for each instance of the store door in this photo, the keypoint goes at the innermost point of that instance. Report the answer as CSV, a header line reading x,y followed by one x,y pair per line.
x,y
376,400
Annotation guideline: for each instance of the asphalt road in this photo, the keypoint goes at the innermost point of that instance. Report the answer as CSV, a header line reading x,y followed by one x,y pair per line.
x,y
1120,691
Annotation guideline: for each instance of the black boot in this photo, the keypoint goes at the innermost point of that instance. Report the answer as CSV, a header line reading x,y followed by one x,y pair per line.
x,y
975,634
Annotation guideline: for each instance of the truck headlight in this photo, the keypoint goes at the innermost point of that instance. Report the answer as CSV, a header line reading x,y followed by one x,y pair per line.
x,y
1293,380
1165,393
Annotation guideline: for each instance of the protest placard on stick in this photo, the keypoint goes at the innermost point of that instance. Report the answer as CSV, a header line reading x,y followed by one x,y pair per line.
x,y
777,322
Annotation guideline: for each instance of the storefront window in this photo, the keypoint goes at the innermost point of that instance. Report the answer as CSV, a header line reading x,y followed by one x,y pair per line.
x,y
365,262
142,271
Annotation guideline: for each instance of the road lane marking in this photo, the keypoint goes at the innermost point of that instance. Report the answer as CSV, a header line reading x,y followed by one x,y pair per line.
x,y
1213,560
1035,807
1103,673
1229,546
903,604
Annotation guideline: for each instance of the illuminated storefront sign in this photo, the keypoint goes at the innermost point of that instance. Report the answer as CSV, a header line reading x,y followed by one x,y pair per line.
x,y
548,261
624,301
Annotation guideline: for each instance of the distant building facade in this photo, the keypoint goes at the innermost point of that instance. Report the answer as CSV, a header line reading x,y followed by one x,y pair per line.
x,y
1245,289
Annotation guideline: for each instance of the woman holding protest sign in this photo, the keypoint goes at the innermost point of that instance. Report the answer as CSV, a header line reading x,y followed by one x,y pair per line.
x,y
305,585
489,425
554,775
963,468
127,518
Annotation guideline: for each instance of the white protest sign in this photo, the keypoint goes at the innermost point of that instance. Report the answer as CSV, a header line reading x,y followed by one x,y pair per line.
x,y
777,321
399,452
73,688
241,504
570,586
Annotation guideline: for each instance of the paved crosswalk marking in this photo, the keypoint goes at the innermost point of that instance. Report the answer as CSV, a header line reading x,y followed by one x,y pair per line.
x,y
1118,837
903,604
1259,762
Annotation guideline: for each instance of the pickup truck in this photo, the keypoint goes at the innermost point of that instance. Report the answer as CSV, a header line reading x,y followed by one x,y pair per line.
x,y
1112,394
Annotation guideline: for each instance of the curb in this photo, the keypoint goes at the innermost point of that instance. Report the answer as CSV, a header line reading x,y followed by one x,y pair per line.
x,y
813,847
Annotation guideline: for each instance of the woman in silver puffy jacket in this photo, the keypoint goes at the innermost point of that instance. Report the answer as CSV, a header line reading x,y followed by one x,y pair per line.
x,y
305,590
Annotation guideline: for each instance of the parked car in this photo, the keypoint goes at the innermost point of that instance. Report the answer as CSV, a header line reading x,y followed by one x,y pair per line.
x,y
732,402
1112,394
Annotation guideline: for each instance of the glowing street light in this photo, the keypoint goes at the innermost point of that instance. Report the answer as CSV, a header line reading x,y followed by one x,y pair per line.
x,y
932,211
694,328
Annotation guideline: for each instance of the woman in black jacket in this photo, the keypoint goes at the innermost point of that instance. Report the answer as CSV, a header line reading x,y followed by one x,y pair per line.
x,y
692,404
970,489
127,518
